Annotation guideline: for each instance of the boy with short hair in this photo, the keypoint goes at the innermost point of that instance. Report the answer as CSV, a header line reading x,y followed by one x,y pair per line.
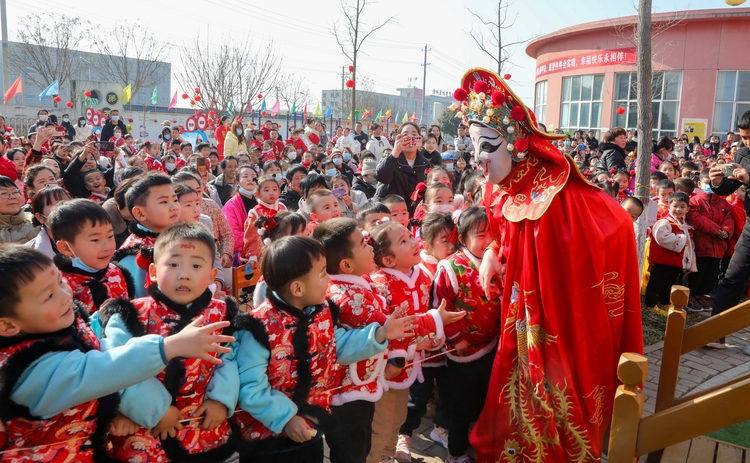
x,y
399,211
180,274
633,206
83,234
59,391
97,185
372,214
686,185
322,206
154,206
292,389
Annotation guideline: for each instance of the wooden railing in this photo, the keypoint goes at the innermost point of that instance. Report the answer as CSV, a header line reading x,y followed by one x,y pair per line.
x,y
675,421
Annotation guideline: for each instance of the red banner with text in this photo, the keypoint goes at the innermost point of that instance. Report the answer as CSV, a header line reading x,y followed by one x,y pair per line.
x,y
590,59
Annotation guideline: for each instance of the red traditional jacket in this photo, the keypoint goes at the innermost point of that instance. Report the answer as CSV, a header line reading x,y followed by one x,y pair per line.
x,y
658,254
302,345
409,295
429,264
457,282
252,239
185,379
92,289
77,434
97,198
140,244
155,165
358,306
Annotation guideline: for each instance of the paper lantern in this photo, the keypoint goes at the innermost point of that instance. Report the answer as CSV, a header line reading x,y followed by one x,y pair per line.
x,y
57,99
351,68
130,119
69,104
620,111
260,95
197,98
506,77
197,91
263,113
349,83
314,138
185,96
87,94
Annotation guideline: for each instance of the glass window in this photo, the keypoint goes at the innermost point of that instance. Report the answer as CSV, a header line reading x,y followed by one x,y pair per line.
x,y
665,106
732,100
540,102
582,102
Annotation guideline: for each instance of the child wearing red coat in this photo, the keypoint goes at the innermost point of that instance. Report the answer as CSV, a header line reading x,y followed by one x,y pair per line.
x,y
256,230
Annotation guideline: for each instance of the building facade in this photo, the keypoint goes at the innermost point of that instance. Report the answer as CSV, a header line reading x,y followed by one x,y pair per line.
x,y
586,74
408,100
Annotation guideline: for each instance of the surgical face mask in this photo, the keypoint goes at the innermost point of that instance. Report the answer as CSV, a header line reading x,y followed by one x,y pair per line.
x,y
276,176
338,161
706,187
167,137
238,132
292,156
65,119
371,180
118,135
170,166
283,174
247,192
442,208
424,134
78,263
707,145
43,117
566,143
449,167
82,122
115,118
347,156
331,172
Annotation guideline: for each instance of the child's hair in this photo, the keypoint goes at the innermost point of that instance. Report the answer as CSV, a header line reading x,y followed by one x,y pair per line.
x,y
130,172
334,236
310,181
684,184
120,190
658,175
19,266
91,172
667,163
265,179
393,199
435,223
189,173
432,190
471,220
287,224
371,208
310,201
681,197
69,218
270,163
470,182
341,177
185,231
181,189
704,173
433,172
690,165
288,259
138,193
381,243
294,169
44,198
665,184
632,199
624,172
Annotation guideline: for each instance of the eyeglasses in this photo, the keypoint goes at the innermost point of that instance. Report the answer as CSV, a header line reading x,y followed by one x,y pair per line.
x,y
6,195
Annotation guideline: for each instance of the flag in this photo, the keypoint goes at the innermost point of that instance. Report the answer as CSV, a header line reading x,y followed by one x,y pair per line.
x,y
14,90
126,94
294,108
329,111
231,106
379,116
356,114
318,112
397,114
53,89
173,103
304,111
350,115
249,108
155,96
388,114
276,108
406,117
263,105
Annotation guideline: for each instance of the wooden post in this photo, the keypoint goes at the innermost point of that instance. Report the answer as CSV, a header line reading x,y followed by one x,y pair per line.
x,y
670,361
628,408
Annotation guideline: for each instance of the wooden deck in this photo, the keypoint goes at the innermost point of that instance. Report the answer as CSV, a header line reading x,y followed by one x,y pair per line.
x,y
704,450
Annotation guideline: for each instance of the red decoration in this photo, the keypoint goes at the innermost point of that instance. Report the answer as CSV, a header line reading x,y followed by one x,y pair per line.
x,y
351,68
197,98
263,113
632,173
620,111
57,99
130,119
517,113
349,83
506,77
87,94
481,87
260,95
522,145
197,91
211,113
497,98
69,104
460,94
613,171
142,261
314,138
185,96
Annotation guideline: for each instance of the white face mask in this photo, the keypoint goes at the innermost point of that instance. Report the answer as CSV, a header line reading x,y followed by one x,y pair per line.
x,y
292,156
170,166
65,119
43,117
442,208
115,118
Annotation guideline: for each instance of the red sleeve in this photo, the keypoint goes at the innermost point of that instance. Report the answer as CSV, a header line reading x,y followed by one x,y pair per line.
x,y
728,223
699,221
33,157
443,290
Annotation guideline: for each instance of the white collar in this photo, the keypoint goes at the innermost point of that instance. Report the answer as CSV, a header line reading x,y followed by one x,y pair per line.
x,y
410,280
274,206
427,258
351,279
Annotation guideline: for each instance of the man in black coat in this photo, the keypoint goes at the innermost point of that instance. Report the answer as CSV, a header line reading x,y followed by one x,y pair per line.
x,y
108,131
592,141
613,150
70,131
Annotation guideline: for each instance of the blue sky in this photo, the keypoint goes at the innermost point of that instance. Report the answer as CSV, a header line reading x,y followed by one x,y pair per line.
x,y
301,31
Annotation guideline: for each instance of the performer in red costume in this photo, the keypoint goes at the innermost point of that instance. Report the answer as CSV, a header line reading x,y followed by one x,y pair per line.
x,y
571,302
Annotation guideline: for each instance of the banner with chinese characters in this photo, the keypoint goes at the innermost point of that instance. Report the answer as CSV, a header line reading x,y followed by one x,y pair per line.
x,y
591,59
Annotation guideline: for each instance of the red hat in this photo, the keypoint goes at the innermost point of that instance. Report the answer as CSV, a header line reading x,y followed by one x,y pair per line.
x,y
7,168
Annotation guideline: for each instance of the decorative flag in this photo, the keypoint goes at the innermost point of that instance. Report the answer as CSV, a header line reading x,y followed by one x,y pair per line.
x,y
53,89
276,108
318,112
126,94
263,105
173,103
231,106
249,108
329,111
304,111
155,96
406,117
294,108
379,116
350,115
388,114
397,114
356,114
14,90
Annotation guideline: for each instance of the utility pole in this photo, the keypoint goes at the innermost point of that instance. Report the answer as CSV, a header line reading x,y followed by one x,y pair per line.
x,y
341,116
424,80
4,49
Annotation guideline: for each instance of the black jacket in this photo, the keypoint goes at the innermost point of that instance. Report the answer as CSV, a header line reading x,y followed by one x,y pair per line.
x,y
396,176
347,171
108,131
364,187
729,186
593,144
74,180
70,131
612,157
435,158
290,199
223,188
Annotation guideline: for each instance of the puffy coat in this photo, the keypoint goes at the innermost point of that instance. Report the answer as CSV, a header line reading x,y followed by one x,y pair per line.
x,y
612,157
708,215
396,176
17,228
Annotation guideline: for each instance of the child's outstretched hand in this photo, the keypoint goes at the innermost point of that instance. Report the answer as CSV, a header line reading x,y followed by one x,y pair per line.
x,y
121,426
215,414
298,430
196,341
396,327
169,425
449,317
391,371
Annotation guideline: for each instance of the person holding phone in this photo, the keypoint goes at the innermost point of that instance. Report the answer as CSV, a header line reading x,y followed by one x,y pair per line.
x,y
84,161
400,171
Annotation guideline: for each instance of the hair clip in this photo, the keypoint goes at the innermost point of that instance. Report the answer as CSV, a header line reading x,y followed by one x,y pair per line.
x,y
367,237
453,237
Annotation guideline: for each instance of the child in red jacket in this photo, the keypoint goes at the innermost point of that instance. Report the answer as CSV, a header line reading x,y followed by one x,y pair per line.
x,y
713,224
737,204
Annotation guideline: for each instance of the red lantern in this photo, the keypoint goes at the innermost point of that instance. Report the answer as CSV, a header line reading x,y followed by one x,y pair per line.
x,y
197,98
197,91
57,99
69,104
506,77
211,113
130,120
87,94
350,83
260,95
351,68
263,113
620,111
185,96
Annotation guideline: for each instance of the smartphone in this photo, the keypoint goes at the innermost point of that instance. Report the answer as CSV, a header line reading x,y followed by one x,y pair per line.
x,y
728,169
105,145
200,164
338,192
416,141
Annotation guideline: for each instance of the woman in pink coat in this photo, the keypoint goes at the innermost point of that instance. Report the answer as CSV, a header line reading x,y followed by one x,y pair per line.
x,y
237,208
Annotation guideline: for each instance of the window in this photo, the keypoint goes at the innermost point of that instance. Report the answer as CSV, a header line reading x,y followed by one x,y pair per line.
x,y
540,102
665,105
732,100
582,102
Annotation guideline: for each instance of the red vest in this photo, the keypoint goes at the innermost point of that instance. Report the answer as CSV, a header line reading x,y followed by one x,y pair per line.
x,y
92,289
284,327
185,379
663,256
78,433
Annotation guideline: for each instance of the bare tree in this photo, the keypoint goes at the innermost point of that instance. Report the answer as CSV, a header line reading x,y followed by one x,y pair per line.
x,y
230,75
131,55
353,35
48,48
496,46
293,91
